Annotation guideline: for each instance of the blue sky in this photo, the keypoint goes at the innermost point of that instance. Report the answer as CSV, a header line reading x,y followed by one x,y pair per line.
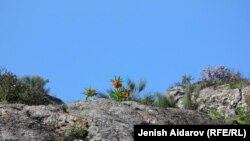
x,y
81,43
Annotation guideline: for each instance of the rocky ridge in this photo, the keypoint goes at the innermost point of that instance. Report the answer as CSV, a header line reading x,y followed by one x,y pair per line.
x,y
104,119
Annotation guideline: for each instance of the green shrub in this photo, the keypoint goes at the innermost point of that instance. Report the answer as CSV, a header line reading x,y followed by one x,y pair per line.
x,y
119,92
26,90
192,92
166,101
215,115
73,133
242,117
187,101
196,94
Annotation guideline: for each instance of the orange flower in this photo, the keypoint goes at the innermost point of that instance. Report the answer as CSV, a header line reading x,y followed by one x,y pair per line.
x,y
117,84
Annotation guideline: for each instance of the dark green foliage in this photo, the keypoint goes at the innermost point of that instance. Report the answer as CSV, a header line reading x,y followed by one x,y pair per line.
x,y
73,133
25,90
36,93
165,101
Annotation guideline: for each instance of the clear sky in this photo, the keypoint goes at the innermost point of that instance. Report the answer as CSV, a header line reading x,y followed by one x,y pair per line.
x,y
81,43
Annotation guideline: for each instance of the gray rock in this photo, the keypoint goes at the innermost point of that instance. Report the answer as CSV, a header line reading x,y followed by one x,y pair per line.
x,y
105,120
114,121
221,98
35,123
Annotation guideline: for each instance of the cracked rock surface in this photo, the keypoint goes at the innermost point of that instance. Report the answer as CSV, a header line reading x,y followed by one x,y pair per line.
x,y
114,121
105,120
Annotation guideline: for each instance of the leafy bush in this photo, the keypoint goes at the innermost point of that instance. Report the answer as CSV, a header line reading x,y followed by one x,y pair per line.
x,y
26,90
73,133
10,87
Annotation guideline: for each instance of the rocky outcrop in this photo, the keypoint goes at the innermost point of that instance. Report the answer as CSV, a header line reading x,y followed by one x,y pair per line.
x,y
104,119
114,121
178,93
221,98
35,123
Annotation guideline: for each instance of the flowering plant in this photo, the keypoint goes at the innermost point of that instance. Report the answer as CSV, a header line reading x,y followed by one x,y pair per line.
x,y
90,92
117,82
219,73
119,93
